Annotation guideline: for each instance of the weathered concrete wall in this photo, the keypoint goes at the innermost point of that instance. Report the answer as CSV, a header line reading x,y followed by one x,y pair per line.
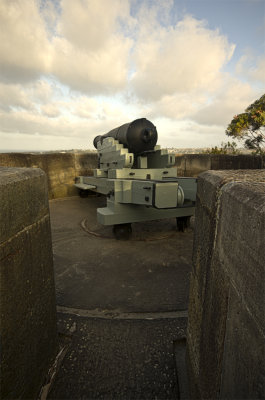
x,y
27,292
60,168
226,330
194,164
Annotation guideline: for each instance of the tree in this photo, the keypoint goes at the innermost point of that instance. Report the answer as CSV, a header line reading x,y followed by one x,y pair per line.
x,y
250,126
226,148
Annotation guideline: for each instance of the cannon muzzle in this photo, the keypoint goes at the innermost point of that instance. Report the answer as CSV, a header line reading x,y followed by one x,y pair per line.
x,y
138,136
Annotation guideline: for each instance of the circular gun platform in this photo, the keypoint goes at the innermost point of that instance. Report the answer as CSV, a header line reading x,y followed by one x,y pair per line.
x,y
94,270
141,231
124,303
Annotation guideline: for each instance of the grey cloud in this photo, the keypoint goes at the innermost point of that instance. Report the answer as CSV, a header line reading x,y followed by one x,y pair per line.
x,y
14,96
91,57
234,97
24,47
88,25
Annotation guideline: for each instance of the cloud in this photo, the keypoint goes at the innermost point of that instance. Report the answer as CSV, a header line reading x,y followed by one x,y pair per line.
x,y
35,142
50,110
88,46
90,53
41,107
24,47
13,96
103,71
178,106
88,25
42,91
233,98
258,72
97,108
187,133
75,69
178,59
251,67
25,122
27,96
83,46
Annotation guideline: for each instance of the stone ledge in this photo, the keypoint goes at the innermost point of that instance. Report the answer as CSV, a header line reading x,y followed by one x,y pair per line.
x,y
23,199
228,258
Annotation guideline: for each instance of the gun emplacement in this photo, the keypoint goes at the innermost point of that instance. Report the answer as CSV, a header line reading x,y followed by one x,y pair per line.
x,y
138,178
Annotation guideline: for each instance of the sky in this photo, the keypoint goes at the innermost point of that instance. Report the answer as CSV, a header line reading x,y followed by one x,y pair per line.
x,y
74,69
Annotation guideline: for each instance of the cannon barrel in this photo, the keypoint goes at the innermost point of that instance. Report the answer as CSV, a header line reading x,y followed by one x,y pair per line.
x,y
138,136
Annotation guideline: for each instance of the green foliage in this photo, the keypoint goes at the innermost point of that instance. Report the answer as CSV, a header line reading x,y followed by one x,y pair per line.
x,y
226,148
250,126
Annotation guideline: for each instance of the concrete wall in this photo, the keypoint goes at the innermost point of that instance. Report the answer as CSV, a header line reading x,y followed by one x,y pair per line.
x,y
194,164
27,292
61,168
226,330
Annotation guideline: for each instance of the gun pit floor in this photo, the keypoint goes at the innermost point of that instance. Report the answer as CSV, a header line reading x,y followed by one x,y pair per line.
x,y
122,305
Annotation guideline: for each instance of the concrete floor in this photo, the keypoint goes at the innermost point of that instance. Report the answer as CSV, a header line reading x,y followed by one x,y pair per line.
x,y
122,306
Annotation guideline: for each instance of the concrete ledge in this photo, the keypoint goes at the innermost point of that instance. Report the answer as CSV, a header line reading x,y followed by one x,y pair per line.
x,y
27,292
227,300
194,164
24,199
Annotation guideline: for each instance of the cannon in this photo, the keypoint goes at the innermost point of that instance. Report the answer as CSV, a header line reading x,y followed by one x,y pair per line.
x,y
139,180
137,136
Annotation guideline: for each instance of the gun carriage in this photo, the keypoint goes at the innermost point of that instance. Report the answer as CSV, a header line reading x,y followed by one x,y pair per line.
x,y
139,180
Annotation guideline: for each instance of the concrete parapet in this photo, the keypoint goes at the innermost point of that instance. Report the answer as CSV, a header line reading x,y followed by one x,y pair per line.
x,y
60,168
194,164
27,292
225,335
